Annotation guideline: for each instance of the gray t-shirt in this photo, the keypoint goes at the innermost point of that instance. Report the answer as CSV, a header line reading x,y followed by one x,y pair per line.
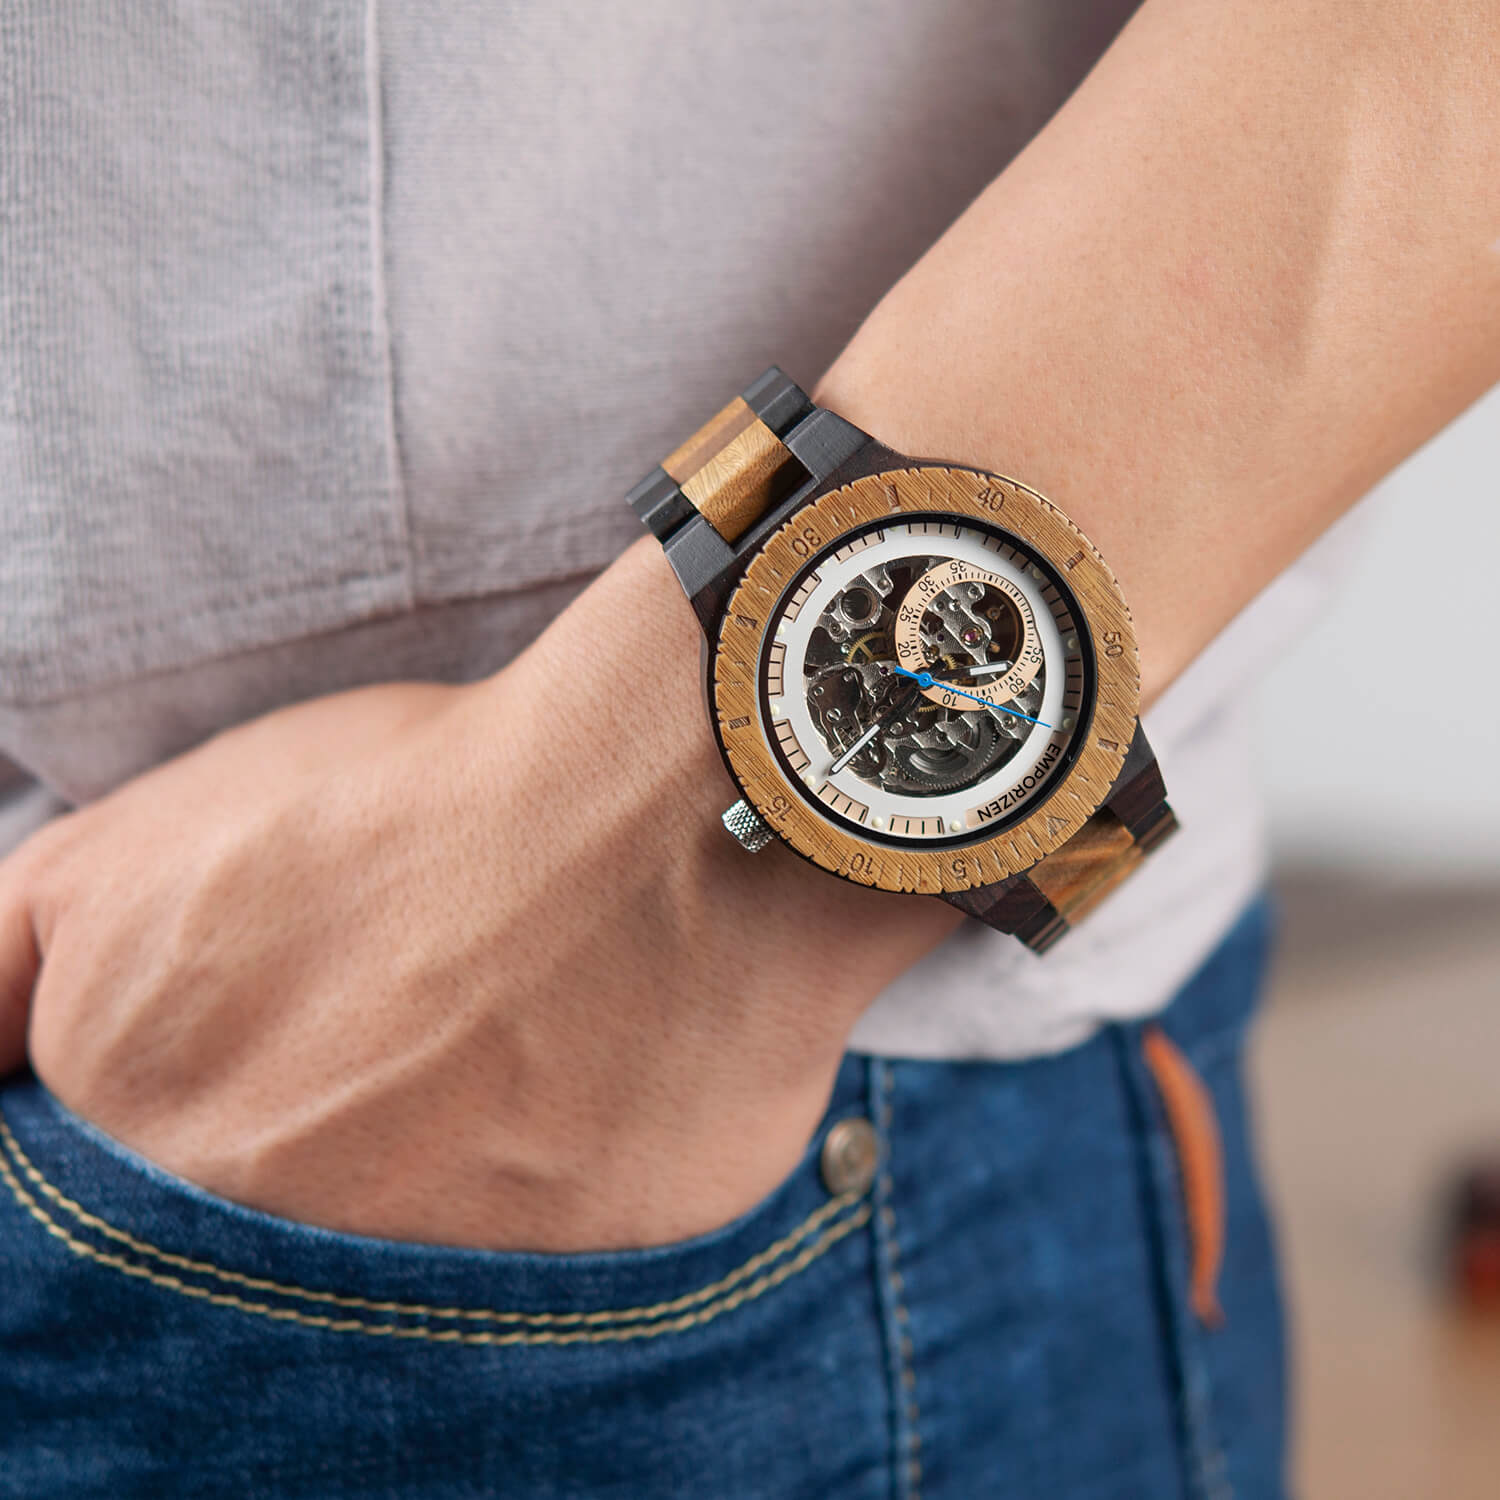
x,y
332,333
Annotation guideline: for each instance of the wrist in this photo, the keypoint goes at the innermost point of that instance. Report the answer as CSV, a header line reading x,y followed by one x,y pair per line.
x,y
640,811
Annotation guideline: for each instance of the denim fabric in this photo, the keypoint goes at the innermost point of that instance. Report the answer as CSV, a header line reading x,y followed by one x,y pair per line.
x,y
1003,1313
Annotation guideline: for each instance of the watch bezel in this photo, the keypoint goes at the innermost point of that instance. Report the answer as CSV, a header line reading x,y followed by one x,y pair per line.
x,y
734,671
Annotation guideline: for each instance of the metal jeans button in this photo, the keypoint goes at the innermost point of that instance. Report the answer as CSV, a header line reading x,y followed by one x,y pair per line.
x,y
851,1153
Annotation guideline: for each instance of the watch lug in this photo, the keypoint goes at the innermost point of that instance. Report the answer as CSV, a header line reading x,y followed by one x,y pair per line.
x,y
823,442
700,557
871,457
1013,906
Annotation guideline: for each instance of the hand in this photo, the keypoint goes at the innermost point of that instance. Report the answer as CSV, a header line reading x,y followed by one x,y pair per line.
x,y
468,965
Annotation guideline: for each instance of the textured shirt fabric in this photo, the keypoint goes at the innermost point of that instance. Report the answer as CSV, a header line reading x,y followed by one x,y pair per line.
x,y
332,333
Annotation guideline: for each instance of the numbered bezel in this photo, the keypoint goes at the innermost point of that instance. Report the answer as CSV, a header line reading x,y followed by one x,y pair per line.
x,y
1059,812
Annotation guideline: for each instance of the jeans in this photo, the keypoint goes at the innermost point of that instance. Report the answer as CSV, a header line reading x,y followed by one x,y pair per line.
x,y
980,1289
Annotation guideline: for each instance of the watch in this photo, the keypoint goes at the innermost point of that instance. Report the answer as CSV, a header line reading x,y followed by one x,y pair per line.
x,y
922,676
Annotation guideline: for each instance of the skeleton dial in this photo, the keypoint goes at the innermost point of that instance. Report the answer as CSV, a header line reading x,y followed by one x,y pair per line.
x,y
926,681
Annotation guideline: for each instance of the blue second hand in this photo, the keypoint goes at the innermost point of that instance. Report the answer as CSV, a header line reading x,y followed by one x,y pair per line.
x,y
927,680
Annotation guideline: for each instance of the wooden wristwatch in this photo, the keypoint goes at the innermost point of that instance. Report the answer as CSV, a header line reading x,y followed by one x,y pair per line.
x,y
922,676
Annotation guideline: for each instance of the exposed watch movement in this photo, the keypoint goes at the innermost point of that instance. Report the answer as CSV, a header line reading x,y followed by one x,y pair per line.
x,y
925,679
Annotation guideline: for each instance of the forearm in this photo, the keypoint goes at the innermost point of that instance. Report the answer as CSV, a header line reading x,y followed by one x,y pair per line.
x,y
1204,311
1249,267
1201,312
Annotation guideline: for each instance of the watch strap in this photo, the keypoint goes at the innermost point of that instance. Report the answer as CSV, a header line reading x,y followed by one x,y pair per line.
x,y
740,474
734,469
1043,903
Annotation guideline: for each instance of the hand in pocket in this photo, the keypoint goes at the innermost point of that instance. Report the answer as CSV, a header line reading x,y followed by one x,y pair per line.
x,y
464,965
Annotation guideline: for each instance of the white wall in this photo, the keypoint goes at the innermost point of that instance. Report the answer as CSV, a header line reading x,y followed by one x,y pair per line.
x,y
1381,729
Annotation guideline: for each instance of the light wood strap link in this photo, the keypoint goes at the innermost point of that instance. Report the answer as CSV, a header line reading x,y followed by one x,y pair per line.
x,y
1097,859
1062,888
731,469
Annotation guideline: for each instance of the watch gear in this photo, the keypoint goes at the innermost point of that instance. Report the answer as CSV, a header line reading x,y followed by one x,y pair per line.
x,y
852,682
952,753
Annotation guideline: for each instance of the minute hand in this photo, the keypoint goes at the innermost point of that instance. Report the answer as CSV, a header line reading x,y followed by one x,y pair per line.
x,y
927,680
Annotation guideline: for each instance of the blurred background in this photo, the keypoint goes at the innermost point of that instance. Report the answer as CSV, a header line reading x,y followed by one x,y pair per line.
x,y
1377,1066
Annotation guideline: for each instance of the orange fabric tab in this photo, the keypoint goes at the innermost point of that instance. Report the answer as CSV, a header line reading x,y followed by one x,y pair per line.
x,y
1200,1155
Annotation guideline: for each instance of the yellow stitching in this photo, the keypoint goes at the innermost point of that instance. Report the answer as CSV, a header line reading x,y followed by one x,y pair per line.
x,y
416,1309
706,1314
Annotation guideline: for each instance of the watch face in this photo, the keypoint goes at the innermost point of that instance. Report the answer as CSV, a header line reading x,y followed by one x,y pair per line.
x,y
926,680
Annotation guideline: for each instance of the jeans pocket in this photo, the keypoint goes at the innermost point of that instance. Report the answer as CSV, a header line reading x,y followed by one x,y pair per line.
x,y
223,1331
121,1214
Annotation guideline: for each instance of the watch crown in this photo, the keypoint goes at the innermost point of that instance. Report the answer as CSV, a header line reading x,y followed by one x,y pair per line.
x,y
749,828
